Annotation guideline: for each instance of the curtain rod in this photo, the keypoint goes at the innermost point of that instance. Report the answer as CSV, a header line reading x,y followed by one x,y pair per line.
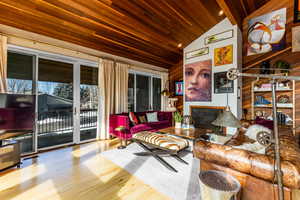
x,y
89,54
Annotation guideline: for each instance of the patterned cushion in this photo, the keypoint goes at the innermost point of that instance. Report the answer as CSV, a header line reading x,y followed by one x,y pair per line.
x,y
162,140
133,118
142,119
152,117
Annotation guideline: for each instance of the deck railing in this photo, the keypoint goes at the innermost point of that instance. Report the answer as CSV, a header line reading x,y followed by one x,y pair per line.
x,y
62,121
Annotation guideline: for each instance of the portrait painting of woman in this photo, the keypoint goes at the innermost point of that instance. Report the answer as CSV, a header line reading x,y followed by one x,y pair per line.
x,y
198,77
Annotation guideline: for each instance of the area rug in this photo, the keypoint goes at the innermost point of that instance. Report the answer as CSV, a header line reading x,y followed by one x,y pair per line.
x,y
182,185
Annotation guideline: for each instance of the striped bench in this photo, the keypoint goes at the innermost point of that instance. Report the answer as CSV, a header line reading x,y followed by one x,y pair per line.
x,y
163,144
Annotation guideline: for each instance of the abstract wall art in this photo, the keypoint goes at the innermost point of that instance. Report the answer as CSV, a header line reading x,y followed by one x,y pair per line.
x,y
196,53
223,55
218,37
266,33
296,39
222,84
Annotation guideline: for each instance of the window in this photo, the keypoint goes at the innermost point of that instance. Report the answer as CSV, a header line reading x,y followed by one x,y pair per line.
x,y
20,73
131,92
143,92
142,89
156,87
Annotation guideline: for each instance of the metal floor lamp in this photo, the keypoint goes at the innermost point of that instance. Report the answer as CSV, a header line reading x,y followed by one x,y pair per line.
x,y
233,74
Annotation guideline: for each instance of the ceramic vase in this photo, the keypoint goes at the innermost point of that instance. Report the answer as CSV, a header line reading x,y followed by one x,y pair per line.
x,y
177,125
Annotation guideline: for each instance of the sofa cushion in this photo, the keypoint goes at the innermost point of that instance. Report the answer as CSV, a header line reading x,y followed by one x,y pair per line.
x,y
133,118
150,126
152,117
264,122
142,119
164,116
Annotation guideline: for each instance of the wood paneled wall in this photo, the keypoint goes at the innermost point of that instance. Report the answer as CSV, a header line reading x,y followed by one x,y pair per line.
x,y
286,54
176,74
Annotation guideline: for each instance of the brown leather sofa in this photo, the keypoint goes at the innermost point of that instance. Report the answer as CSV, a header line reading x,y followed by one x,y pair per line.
x,y
255,171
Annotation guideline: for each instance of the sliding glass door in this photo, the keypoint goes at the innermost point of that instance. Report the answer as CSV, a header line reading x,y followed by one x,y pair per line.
x,y
55,103
89,99
67,96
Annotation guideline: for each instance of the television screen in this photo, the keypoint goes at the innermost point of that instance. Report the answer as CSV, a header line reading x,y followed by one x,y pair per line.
x,y
17,112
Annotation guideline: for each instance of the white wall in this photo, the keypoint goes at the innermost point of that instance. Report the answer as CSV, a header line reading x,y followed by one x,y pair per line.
x,y
219,99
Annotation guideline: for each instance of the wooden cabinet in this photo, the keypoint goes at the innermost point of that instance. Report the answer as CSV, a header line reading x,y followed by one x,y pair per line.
x,y
9,154
261,101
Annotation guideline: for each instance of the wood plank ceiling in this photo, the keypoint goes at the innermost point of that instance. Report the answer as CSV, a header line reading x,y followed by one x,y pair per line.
x,y
145,30
249,6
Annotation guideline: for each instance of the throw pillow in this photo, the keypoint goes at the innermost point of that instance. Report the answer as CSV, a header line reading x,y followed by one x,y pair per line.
x,y
152,117
254,129
255,147
264,122
142,119
133,118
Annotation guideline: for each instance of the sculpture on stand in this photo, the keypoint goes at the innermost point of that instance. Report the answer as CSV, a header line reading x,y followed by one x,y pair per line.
x,y
172,104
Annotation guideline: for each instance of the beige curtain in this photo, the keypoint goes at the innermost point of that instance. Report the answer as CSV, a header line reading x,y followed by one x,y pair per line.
x,y
106,86
3,64
164,100
121,88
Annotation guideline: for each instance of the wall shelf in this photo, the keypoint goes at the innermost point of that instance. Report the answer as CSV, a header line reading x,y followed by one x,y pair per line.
x,y
268,57
279,105
269,90
266,93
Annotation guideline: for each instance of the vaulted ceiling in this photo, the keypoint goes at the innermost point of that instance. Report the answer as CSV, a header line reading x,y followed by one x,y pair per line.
x,y
144,30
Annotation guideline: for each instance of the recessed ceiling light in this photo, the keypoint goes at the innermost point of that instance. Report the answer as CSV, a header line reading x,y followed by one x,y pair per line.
x,y
221,12
179,45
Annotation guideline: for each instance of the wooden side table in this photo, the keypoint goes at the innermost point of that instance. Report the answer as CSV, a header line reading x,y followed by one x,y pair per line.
x,y
10,154
122,130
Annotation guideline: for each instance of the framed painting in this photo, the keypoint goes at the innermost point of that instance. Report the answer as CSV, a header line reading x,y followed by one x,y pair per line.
x,y
222,84
267,32
218,37
179,88
223,55
197,81
296,39
196,53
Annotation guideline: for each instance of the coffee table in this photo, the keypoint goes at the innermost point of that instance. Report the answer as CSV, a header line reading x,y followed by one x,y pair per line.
x,y
190,134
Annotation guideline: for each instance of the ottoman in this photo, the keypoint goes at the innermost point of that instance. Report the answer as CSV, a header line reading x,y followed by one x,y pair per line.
x,y
156,144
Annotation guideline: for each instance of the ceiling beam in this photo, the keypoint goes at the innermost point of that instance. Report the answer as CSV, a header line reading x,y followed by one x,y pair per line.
x,y
231,12
244,7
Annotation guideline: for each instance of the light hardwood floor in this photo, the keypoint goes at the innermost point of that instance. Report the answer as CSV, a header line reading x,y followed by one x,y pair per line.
x,y
76,173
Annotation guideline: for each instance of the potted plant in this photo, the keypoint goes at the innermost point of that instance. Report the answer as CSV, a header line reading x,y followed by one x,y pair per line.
x,y
177,119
